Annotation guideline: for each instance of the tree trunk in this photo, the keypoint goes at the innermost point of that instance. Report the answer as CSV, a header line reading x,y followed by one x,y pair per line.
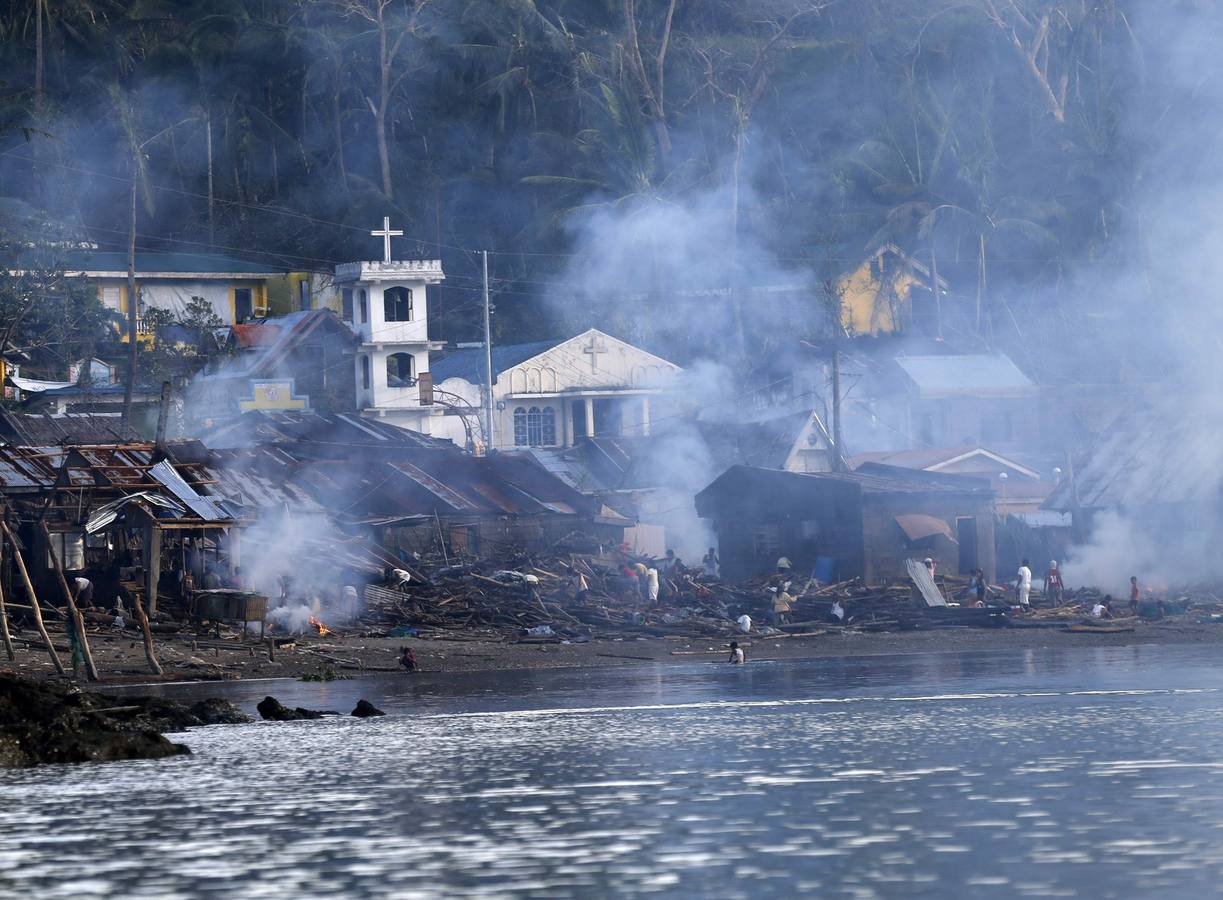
x,y
39,51
212,230
736,281
980,278
338,123
384,99
938,295
129,383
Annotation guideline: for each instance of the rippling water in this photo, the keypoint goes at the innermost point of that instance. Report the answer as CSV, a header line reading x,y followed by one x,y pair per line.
x,y
1092,773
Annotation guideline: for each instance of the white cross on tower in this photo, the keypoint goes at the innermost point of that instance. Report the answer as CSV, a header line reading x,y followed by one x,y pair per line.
x,y
594,348
386,234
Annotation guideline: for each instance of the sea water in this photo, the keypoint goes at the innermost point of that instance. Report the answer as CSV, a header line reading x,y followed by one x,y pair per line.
x,y
1094,773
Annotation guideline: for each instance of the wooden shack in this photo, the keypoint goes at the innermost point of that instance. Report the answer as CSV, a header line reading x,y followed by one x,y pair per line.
x,y
862,524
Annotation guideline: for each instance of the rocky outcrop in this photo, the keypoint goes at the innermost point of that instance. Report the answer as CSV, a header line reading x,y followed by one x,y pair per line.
x,y
364,710
272,709
45,723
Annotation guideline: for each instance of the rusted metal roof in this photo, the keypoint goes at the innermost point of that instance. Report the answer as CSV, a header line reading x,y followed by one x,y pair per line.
x,y
111,474
1160,458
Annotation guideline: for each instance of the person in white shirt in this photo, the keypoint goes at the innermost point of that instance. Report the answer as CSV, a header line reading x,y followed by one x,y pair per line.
x,y
1103,608
745,623
736,654
82,591
1023,583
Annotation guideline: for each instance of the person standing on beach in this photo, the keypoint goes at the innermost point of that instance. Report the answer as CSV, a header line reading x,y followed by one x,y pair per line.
x,y
1053,584
1023,583
1135,594
736,654
978,587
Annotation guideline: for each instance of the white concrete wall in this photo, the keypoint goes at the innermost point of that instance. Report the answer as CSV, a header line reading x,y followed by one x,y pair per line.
x,y
375,329
382,394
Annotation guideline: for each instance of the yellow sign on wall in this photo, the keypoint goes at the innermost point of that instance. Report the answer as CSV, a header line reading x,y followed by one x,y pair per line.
x,y
273,395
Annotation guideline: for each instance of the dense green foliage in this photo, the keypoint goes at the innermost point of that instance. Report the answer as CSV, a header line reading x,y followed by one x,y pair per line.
x,y
999,137
48,321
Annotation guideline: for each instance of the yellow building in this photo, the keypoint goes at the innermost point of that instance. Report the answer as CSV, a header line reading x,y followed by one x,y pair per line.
x,y
235,289
877,297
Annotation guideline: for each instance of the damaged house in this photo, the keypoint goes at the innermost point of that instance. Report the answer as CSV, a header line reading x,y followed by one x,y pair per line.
x,y
127,515
842,525
408,492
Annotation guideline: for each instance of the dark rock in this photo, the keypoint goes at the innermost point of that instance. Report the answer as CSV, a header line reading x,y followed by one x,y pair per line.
x,y
42,723
271,708
219,712
364,709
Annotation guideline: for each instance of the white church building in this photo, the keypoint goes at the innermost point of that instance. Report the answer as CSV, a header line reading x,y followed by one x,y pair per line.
x,y
386,305
545,394
551,393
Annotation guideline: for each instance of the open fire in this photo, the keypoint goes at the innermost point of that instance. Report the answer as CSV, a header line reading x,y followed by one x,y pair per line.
x,y
319,626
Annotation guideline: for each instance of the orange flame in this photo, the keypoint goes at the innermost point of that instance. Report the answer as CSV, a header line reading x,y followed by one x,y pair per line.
x,y
322,629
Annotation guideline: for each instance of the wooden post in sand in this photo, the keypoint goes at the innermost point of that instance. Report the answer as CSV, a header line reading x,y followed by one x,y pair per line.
x,y
154,665
91,671
29,587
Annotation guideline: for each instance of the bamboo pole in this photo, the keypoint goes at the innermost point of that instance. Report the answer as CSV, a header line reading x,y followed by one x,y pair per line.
x,y
150,655
78,621
25,578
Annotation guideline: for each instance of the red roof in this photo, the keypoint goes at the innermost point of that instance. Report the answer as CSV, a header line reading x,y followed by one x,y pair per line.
x,y
255,335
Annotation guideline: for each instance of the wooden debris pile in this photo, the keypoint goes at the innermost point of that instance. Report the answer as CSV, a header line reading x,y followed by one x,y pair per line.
x,y
538,601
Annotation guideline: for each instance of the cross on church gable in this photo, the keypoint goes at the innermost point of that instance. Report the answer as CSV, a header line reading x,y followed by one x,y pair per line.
x,y
386,234
594,348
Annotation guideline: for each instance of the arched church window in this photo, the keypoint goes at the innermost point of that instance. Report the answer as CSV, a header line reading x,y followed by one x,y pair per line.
x,y
520,427
549,427
365,372
397,304
400,371
363,302
535,427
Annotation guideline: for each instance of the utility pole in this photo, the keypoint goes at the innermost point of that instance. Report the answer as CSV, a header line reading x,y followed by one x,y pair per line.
x,y
838,460
488,363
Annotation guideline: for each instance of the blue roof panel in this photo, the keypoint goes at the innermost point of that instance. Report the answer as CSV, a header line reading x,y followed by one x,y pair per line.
x,y
468,362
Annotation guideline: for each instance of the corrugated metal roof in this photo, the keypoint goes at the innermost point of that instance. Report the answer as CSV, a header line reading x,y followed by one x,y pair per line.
x,y
872,478
982,374
210,509
468,362
77,428
301,429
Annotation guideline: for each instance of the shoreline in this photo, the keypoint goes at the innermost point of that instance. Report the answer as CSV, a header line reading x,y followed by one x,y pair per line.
x,y
120,658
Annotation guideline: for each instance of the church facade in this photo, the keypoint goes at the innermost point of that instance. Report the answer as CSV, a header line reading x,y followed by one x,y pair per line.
x,y
550,393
